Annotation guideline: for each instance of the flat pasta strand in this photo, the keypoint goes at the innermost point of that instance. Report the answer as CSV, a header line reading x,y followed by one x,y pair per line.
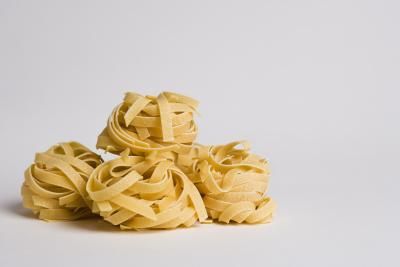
x,y
137,192
159,179
232,182
145,124
55,184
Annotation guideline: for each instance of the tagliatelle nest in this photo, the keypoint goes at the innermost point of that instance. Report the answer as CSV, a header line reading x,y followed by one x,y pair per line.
x,y
147,123
232,182
54,186
136,192
160,179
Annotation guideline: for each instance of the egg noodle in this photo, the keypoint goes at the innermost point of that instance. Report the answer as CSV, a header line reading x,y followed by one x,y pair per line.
x,y
55,185
159,177
135,192
232,181
148,123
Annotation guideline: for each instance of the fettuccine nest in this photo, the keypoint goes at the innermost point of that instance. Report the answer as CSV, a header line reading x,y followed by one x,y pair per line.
x,y
136,193
159,179
55,184
148,123
232,180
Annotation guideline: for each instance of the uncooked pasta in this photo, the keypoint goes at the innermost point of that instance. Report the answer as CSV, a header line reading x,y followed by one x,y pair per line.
x,y
55,184
135,193
148,123
159,177
232,181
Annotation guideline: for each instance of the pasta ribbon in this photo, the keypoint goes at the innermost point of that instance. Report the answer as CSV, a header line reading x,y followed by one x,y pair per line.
x,y
138,192
232,182
146,123
55,184
160,179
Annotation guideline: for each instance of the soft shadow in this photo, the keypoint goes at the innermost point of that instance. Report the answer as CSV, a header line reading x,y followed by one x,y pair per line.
x,y
239,225
97,224
94,223
16,208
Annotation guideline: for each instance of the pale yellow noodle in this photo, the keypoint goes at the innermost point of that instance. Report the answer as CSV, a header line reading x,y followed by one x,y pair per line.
x,y
146,124
55,184
232,182
135,192
161,179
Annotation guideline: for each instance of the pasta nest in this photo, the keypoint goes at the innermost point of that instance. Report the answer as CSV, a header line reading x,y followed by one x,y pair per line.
x,y
232,182
55,184
147,123
135,192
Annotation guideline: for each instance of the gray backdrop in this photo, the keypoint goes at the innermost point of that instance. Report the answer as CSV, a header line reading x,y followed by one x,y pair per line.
x,y
314,85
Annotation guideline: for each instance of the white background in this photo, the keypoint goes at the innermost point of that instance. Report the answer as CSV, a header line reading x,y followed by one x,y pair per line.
x,y
314,85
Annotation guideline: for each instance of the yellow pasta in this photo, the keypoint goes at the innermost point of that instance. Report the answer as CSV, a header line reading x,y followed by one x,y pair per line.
x,y
146,123
232,182
55,185
160,178
135,192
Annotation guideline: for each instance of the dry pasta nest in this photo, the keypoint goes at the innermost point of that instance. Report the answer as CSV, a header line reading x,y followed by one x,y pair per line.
x,y
232,182
55,184
161,178
136,192
147,123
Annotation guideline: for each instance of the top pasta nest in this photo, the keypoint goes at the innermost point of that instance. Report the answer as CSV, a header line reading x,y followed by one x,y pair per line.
x,y
149,123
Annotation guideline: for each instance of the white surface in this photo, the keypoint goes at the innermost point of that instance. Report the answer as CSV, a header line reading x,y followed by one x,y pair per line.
x,y
314,85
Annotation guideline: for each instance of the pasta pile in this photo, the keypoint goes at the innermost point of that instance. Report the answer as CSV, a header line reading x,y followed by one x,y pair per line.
x,y
55,185
233,182
146,123
137,192
159,178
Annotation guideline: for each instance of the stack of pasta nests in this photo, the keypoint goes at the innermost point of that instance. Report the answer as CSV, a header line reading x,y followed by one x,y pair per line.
x,y
159,179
